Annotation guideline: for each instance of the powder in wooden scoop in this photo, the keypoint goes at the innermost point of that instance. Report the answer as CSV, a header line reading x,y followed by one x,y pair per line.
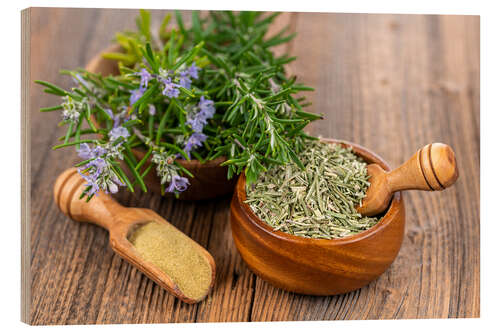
x,y
175,254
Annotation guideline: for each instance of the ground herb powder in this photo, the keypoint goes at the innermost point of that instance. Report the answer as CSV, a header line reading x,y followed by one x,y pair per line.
x,y
317,202
175,254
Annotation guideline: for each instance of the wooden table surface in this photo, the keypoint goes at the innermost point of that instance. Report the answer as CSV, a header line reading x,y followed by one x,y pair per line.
x,y
391,83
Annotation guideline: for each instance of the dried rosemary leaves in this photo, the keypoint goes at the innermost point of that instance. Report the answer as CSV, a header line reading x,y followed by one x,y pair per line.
x,y
317,202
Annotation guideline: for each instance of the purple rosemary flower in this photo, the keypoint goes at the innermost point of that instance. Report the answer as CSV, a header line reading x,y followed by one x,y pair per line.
x,y
206,110
170,88
116,117
116,121
206,107
184,80
99,164
99,151
193,71
94,173
87,153
112,183
169,172
114,151
117,132
81,80
145,77
178,184
152,110
100,176
197,122
109,112
91,183
194,141
136,94
72,109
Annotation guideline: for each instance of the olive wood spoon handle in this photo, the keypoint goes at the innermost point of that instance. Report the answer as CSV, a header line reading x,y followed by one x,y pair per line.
x,y
104,211
431,168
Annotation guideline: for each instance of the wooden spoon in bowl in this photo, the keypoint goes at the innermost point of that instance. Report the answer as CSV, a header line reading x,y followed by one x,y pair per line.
x,y
191,269
431,168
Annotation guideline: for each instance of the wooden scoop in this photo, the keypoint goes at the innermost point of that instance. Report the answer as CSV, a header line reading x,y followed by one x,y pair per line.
x,y
120,221
432,168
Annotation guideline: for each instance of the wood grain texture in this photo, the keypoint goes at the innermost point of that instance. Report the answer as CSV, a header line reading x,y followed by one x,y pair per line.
x,y
413,78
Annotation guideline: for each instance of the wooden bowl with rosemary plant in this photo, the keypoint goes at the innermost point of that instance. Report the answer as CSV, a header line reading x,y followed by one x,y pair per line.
x,y
210,179
318,266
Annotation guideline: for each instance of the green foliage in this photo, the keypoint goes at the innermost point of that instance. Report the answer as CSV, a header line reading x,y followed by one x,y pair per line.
x,y
259,119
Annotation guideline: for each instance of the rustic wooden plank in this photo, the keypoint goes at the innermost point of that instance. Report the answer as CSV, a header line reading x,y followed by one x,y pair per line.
x,y
390,82
394,83
87,288
233,294
52,288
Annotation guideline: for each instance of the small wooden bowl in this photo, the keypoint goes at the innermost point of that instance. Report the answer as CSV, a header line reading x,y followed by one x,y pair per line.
x,y
318,266
210,179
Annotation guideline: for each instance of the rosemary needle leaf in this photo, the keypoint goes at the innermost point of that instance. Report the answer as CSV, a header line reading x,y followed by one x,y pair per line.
x,y
53,108
135,173
72,143
318,202
52,88
123,177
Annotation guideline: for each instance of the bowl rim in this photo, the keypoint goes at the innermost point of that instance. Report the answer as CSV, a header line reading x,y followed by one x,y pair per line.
x,y
395,206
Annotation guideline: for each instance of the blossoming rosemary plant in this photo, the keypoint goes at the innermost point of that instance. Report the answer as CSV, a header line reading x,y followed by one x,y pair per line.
x,y
215,89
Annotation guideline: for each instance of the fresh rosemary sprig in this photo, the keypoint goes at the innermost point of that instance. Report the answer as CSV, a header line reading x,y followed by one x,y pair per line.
x,y
319,202
213,89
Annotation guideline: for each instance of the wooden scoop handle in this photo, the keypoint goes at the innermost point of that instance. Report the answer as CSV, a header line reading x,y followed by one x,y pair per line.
x,y
102,210
431,168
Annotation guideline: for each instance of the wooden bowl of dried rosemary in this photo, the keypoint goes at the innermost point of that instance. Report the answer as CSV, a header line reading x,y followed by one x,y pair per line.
x,y
318,266
209,179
